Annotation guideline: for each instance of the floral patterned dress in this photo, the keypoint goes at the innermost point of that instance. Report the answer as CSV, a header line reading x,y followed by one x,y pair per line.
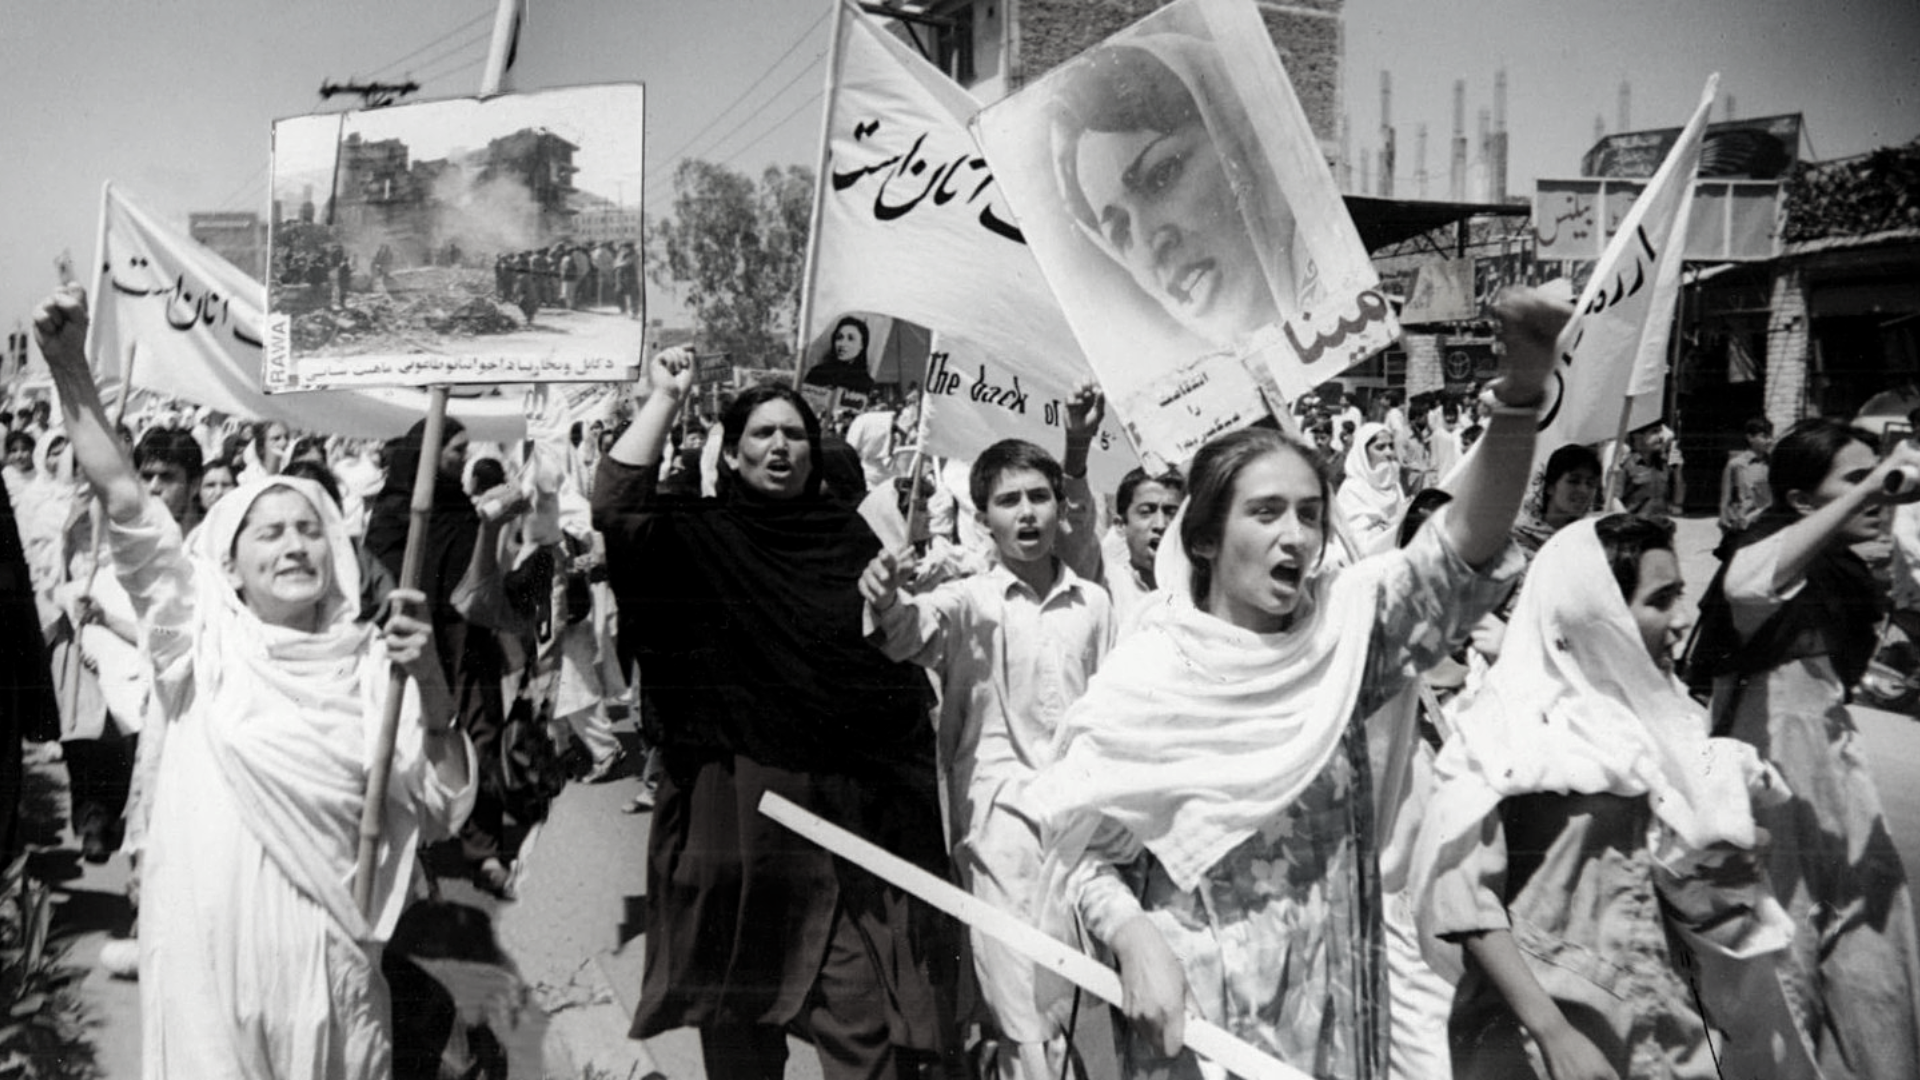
x,y
1282,942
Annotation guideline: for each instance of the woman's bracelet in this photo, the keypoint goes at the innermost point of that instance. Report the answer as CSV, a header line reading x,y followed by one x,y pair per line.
x,y
1501,407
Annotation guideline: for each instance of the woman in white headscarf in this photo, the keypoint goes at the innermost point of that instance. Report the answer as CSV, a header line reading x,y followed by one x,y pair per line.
x,y
255,961
1370,496
1209,808
1590,848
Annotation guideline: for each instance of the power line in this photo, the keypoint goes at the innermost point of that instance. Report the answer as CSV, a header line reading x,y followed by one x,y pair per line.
x,y
245,185
456,30
455,70
764,75
775,126
750,117
455,50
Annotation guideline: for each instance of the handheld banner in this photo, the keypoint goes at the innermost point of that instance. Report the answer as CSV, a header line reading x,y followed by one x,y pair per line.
x,y
477,240
911,224
1183,213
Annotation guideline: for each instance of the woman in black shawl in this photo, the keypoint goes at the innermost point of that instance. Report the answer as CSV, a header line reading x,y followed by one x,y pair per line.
x,y
1786,629
470,654
755,677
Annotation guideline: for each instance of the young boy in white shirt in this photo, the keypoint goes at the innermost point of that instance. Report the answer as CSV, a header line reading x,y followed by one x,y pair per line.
x,y
1012,648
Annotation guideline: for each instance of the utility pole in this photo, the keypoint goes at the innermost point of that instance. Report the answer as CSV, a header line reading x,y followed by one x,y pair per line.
x,y
372,94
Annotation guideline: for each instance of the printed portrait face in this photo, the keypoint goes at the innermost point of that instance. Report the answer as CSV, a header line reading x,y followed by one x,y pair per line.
x,y
1167,213
849,341
1155,189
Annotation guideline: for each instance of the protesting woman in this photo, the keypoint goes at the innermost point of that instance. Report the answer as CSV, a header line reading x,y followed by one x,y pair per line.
x,y
1371,497
1786,630
755,674
1585,839
255,961
1567,488
1210,810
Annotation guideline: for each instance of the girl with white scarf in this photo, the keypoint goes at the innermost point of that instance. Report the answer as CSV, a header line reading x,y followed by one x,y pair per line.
x,y
1589,846
255,961
1209,810
1371,496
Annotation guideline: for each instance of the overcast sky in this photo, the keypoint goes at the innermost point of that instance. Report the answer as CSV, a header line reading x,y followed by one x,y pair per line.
x,y
174,100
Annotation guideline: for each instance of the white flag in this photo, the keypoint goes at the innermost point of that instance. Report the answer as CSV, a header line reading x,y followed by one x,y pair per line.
x,y
1615,345
911,224
194,320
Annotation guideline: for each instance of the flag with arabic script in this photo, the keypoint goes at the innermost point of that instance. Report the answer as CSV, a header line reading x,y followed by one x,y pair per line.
x,y
192,322
1616,343
911,224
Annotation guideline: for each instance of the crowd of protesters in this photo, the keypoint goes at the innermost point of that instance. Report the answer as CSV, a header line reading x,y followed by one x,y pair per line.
x,y
1369,746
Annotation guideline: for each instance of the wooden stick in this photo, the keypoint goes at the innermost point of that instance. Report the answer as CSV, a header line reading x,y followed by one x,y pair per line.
x,y
380,769
1041,948
1620,452
373,811
810,266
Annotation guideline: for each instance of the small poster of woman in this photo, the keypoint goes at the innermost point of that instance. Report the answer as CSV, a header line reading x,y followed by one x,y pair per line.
x,y
1182,210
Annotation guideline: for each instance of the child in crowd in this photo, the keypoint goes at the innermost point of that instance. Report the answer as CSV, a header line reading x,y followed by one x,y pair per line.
x,y
1013,648
1143,507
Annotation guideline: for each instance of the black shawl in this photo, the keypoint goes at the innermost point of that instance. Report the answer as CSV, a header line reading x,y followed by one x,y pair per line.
x,y
746,614
452,527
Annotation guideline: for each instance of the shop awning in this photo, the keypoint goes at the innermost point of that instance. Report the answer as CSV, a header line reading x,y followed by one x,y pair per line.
x,y
1385,222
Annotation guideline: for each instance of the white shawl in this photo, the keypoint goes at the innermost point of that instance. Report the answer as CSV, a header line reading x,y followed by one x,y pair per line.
x,y
1195,732
1370,496
1576,706
291,717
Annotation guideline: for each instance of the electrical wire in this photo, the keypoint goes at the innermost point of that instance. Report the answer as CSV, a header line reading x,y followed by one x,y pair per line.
x,y
771,68
463,27
486,34
665,178
445,73
775,126
245,187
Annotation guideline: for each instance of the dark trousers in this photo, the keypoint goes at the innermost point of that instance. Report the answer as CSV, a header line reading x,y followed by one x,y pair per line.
x,y
845,1018
99,775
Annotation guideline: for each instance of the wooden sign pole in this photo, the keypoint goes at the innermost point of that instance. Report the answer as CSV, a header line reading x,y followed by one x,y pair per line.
x,y
1069,963
373,811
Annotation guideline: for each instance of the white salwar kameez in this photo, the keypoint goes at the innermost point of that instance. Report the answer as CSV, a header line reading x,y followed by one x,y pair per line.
x,y
254,961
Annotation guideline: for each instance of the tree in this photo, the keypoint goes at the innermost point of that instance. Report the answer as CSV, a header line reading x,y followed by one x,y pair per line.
x,y
739,251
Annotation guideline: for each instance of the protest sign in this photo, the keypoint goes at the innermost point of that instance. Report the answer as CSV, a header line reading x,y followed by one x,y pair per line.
x,y
1184,216
478,240
1442,291
194,320
1613,350
909,222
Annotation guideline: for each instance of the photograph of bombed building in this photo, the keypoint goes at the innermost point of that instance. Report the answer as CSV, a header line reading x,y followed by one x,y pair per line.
x,y
468,229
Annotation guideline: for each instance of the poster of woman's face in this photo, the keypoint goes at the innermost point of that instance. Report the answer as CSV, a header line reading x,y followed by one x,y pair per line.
x,y
1183,212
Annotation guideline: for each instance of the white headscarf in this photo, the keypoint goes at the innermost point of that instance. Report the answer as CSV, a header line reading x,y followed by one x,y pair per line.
x,y
284,711
1370,497
1195,732
1576,706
